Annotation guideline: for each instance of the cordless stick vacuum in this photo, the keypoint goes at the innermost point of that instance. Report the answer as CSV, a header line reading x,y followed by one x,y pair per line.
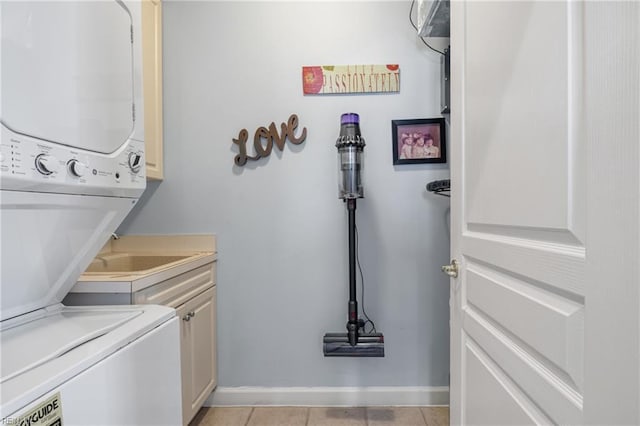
x,y
355,342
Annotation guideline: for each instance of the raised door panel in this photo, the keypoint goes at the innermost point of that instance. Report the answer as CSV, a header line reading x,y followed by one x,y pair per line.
x,y
491,398
152,81
545,323
203,349
525,157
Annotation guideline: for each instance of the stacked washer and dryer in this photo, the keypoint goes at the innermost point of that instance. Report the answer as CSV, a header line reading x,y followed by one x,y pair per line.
x,y
71,169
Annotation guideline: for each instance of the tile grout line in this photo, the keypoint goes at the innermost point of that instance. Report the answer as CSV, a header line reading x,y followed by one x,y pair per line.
x,y
306,423
250,414
424,419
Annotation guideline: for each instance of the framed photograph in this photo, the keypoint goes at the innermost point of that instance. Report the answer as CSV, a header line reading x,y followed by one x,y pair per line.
x,y
419,141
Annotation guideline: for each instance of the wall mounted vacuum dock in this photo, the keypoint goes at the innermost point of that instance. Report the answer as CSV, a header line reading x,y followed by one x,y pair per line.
x,y
355,342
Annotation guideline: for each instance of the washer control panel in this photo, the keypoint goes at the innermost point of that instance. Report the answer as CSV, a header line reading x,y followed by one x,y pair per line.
x,y
26,162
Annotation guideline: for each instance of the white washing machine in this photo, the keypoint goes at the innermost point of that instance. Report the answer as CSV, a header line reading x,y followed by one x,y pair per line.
x,y
71,169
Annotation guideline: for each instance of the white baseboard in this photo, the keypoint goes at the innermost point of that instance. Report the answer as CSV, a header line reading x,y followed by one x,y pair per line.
x,y
329,396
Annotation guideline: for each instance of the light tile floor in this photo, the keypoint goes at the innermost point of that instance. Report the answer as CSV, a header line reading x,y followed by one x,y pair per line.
x,y
322,416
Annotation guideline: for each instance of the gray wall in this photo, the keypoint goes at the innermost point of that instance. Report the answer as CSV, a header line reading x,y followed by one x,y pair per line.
x,y
282,232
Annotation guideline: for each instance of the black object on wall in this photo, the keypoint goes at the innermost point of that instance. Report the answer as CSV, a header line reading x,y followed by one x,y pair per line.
x,y
445,81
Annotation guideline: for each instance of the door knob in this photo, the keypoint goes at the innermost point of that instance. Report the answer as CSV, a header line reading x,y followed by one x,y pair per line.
x,y
452,269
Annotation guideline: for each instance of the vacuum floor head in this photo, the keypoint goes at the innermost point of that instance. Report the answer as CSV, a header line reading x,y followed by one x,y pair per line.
x,y
368,345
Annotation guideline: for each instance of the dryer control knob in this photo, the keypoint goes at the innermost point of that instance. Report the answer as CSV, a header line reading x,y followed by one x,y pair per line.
x,y
47,164
77,168
135,162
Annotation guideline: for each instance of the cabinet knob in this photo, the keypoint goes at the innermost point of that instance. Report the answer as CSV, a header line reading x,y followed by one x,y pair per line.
x,y
188,316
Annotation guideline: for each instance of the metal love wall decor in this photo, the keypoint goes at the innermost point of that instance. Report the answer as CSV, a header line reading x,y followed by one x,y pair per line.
x,y
344,79
269,136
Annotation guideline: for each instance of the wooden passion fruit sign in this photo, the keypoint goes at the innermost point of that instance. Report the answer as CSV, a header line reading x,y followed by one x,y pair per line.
x,y
343,79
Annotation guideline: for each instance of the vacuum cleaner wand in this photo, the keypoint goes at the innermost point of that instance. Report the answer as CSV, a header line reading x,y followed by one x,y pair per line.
x,y
352,324
353,343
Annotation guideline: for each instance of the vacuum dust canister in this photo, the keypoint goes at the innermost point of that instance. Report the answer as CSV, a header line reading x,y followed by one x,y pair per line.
x,y
350,146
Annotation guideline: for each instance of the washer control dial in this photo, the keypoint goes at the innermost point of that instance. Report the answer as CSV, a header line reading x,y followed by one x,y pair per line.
x,y
135,162
47,164
77,168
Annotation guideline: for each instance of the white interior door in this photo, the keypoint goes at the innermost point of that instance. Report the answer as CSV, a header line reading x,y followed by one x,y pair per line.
x,y
545,213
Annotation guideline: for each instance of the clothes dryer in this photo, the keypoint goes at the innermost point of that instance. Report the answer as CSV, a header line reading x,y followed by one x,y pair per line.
x,y
71,169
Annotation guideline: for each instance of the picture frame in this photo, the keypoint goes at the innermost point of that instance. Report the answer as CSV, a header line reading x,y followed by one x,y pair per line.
x,y
419,141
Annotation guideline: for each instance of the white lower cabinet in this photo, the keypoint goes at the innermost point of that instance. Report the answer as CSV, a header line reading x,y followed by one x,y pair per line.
x,y
198,351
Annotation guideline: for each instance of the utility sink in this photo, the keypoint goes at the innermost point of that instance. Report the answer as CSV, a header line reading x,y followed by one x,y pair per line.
x,y
130,263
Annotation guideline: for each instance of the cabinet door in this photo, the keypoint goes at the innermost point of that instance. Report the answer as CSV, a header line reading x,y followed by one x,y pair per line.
x,y
152,77
198,351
